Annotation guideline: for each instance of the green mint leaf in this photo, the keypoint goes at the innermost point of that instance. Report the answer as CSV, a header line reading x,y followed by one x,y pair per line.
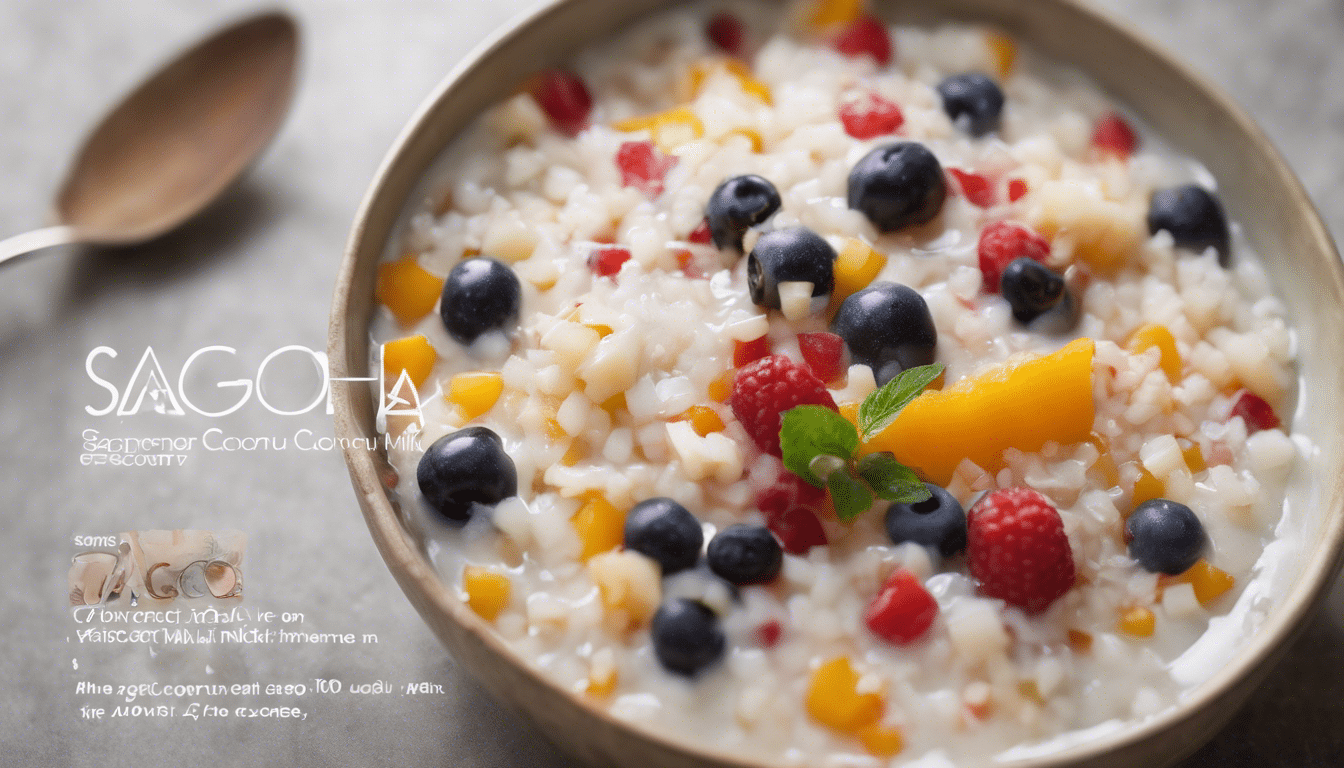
x,y
892,480
850,497
809,431
879,408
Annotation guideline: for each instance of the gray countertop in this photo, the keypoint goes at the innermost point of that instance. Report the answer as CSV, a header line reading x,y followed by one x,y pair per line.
x,y
255,273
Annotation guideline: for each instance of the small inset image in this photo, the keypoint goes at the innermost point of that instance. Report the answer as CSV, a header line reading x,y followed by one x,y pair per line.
x,y
152,568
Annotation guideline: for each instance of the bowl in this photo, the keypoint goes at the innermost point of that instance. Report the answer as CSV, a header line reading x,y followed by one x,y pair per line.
x,y
1255,183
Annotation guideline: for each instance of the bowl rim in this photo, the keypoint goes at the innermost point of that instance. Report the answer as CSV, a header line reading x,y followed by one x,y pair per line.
x,y
428,591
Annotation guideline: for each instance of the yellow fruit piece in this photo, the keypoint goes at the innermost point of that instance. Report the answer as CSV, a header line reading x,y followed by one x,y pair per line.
x,y
856,266
1194,457
487,591
721,388
407,289
413,354
882,740
833,701
750,85
1148,487
1080,641
833,13
752,135
1210,583
656,123
475,393
1150,336
603,683
1003,52
703,419
1017,405
601,527
1105,234
851,412
629,584
575,453
1137,622
1030,691
615,404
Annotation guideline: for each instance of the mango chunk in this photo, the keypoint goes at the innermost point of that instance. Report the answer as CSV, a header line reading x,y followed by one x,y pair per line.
x,y
669,128
1105,234
1150,336
1194,456
1210,582
882,740
475,393
1080,641
413,354
1137,622
601,527
407,289
601,684
1147,487
740,72
721,388
1003,52
629,584
704,419
487,591
1021,405
834,701
856,266
832,13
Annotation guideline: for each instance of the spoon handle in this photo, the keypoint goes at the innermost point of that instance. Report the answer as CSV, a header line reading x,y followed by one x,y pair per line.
x,y
20,245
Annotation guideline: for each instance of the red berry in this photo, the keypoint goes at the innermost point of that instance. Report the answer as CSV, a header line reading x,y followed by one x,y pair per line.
x,y
725,30
798,530
824,353
866,35
763,390
1017,189
902,611
1017,550
975,187
750,351
868,115
769,633
607,260
642,166
701,233
789,491
1113,136
1003,241
1254,411
564,98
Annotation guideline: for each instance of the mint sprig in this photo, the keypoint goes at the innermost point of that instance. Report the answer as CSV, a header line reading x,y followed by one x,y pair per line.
x,y
821,446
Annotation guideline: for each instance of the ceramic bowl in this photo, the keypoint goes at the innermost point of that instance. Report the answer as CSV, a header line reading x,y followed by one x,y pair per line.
x,y
1255,183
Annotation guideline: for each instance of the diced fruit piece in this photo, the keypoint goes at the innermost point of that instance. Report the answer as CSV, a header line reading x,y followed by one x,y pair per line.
x,y
475,393
1001,243
856,266
938,521
606,260
701,234
487,591
1254,411
882,740
745,554
750,351
750,85
662,124
630,585
1080,641
824,353
479,296
866,35
798,530
769,633
834,701
974,186
789,491
738,204
973,98
1017,189
602,684
830,13
898,186
888,327
463,469
1152,335
405,288
1210,582
1106,234
1147,487
1019,405
721,388
902,611
1165,536
665,531
1113,137
686,636
795,254
1031,288
752,135
413,354
643,167
1137,622
725,30
564,98
1194,457
868,116
1002,51
601,527
765,389
1193,216
704,419
1017,550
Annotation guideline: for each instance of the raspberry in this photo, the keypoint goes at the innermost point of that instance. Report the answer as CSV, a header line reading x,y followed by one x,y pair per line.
x,y
607,260
769,633
902,611
765,389
1017,189
701,233
725,31
750,351
642,166
975,187
798,530
866,35
824,353
869,115
1113,136
789,491
564,98
1254,411
1017,550
1003,241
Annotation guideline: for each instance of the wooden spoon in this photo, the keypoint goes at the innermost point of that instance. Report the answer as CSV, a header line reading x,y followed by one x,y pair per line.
x,y
176,142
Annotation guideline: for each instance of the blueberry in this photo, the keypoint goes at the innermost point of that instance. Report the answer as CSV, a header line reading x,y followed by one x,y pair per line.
x,y
480,295
974,96
1193,216
738,204
938,521
464,468
898,186
1031,288
745,554
665,531
796,254
1165,536
887,327
686,636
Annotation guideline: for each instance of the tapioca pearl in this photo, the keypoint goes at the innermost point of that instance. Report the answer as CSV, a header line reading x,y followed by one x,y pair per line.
x,y
1271,453
1212,363
1179,602
652,441
559,182
975,630
514,519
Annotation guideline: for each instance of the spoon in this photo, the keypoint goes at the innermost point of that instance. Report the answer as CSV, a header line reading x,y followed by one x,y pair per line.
x,y
177,141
